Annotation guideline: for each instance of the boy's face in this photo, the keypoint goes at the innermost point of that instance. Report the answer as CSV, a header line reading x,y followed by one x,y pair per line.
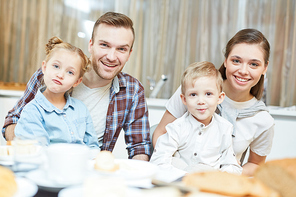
x,y
62,71
202,98
110,50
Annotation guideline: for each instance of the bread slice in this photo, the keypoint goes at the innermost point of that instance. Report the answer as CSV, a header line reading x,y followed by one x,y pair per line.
x,y
219,182
259,189
279,175
227,184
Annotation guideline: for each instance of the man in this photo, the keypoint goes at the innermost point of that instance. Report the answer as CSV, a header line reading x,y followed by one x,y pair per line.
x,y
115,100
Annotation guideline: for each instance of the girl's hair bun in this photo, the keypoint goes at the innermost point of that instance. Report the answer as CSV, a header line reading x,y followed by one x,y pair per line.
x,y
51,44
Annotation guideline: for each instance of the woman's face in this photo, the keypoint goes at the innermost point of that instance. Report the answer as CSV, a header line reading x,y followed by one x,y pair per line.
x,y
244,67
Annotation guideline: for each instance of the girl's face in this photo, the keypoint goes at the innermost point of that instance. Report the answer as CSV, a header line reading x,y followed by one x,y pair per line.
x,y
62,71
244,67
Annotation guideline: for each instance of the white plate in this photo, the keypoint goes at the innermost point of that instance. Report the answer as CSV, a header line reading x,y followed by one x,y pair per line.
x,y
137,173
40,178
132,169
26,157
71,192
6,163
4,148
77,191
25,188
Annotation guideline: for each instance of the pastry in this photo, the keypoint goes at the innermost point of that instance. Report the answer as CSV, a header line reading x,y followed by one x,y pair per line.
x,y
8,186
105,161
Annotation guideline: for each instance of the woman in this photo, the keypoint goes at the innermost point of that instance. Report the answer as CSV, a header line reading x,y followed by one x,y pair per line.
x,y
246,61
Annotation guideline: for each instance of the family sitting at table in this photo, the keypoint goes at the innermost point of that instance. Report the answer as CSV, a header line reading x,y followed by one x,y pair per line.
x,y
94,112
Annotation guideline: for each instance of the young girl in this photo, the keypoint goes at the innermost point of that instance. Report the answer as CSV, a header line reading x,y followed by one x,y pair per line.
x,y
53,114
246,61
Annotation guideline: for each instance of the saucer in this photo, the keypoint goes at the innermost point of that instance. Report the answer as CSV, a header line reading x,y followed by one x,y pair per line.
x,y
40,178
132,169
25,187
77,191
4,156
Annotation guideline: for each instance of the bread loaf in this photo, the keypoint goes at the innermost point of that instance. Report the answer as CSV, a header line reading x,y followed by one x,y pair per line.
x,y
224,183
219,182
279,175
8,186
161,192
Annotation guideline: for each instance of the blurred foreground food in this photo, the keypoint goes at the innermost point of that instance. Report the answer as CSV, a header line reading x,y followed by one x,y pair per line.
x,y
227,184
8,186
279,175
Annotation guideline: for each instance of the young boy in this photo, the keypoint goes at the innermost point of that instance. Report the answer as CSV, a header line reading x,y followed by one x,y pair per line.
x,y
200,137
53,114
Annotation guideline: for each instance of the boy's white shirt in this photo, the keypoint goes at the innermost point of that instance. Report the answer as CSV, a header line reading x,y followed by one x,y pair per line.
x,y
256,131
96,104
197,145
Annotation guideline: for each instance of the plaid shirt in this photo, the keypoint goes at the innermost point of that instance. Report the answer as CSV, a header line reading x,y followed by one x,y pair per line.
x,y
127,110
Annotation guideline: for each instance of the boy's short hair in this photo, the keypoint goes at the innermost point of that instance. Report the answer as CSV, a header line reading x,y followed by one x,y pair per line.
x,y
116,20
200,69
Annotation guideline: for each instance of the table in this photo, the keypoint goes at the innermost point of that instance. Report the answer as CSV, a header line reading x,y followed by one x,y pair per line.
x,y
143,181
43,193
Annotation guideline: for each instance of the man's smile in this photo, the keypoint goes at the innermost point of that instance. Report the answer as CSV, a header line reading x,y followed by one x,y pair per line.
x,y
109,65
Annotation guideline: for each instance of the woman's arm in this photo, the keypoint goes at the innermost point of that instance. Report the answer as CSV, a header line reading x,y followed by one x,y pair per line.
x,y
175,109
253,162
160,129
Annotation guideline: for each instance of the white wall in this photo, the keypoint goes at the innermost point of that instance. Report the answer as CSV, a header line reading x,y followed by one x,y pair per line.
x,y
284,140
7,100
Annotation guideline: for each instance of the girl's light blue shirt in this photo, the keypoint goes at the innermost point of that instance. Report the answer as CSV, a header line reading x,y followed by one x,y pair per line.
x,y
73,124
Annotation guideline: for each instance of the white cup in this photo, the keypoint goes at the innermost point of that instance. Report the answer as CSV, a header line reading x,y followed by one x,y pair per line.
x,y
67,163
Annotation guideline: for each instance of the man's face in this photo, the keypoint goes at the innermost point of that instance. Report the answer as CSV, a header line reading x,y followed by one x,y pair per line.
x,y
110,50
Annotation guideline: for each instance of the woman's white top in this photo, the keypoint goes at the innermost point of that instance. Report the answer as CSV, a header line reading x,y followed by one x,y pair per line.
x,y
255,131
197,145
